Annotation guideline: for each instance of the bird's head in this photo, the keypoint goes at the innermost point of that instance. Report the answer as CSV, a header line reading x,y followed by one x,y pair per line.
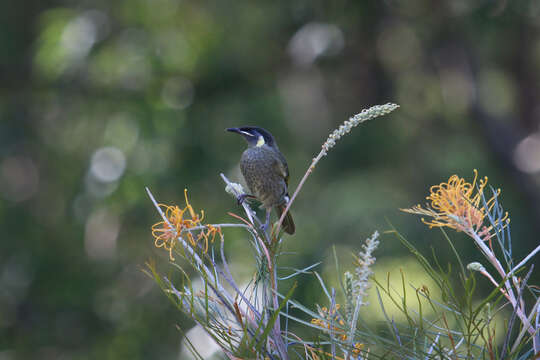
x,y
255,136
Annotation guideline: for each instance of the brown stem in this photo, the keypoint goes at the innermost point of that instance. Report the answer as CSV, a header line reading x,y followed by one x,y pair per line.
x,y
308,172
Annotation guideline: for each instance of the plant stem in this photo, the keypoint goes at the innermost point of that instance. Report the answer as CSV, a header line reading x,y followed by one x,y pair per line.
x,y
510,293
308,172
531,254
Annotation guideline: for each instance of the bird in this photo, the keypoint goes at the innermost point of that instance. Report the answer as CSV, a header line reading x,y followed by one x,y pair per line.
x,y
266,173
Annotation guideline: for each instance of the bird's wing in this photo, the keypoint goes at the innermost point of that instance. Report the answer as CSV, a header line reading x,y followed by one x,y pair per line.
x,y
280,165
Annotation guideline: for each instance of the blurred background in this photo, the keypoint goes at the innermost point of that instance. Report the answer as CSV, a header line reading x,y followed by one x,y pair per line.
x,y
99,99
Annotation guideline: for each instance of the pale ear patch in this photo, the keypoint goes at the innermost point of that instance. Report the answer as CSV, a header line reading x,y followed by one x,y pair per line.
x,y
260,141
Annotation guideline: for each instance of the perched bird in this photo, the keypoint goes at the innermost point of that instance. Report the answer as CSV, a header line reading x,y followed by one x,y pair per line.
x,y
266,173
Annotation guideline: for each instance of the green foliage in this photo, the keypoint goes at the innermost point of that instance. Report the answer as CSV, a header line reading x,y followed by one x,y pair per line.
x,y
158,81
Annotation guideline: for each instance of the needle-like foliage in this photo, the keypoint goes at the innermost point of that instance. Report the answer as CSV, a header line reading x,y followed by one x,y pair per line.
x,y
443,321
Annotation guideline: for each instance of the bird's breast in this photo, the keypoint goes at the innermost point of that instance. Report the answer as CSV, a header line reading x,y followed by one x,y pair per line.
x,y
264,181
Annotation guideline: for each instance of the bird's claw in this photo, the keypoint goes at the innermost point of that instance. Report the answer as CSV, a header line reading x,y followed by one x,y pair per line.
x,y
264,226
241,198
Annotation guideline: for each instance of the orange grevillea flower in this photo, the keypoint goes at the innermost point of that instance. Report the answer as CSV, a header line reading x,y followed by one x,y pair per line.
x,y
329,320
183,221
457,204
357,348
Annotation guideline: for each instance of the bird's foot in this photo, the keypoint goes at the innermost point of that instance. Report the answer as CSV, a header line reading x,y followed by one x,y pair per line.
x,y
265,226
243,198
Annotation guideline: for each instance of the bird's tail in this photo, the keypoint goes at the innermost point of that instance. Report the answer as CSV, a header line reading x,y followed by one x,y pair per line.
x,y
288,223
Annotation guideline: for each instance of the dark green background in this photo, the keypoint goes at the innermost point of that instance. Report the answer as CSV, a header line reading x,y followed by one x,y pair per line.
x,y
154,83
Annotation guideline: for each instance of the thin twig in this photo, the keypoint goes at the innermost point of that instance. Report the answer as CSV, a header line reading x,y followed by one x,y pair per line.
x,y
332,311
510,293
535,310
430,350
308,172
228,277
514,313
524,261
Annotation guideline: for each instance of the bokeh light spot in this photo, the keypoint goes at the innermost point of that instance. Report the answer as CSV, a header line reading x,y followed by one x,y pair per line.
x,y
314,40
527,154
101,233
108,164
78,37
